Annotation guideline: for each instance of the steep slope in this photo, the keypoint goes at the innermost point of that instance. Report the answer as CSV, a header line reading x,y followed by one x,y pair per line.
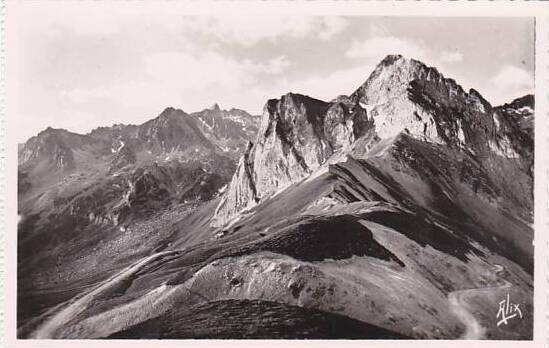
x,y
515,121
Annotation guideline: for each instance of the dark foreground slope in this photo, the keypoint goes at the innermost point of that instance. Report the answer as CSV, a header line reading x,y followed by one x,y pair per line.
x,y
252,319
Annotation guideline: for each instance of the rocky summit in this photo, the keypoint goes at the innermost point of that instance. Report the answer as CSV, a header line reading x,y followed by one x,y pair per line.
x,y
401,210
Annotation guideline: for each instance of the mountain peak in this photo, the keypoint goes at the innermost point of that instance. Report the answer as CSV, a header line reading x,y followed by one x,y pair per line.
x,y
215,107
405,94
295,100
169,111
402,64
391,59
52,146
51,130
169,116
399,69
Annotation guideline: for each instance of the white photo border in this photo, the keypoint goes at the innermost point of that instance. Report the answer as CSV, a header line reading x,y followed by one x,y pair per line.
x,y
8,155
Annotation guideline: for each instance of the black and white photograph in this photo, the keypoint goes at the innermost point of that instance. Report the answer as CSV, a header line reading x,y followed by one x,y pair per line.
x,y
273,175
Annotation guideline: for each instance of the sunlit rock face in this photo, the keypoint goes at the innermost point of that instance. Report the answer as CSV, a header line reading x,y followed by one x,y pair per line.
x,y
406,95
296,136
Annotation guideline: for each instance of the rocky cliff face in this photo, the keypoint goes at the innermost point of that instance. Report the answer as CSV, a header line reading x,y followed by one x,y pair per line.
x,y
298,134
515,126
406,95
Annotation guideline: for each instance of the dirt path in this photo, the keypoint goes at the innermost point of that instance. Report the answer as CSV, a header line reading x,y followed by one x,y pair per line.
x,y
459,306
68,312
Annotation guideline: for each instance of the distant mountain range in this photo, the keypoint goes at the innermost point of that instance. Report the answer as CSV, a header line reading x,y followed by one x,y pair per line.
x,y
403,209
174,157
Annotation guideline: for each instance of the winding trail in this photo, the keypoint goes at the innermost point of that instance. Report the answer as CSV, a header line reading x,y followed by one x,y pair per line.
x,y
76,306
459,306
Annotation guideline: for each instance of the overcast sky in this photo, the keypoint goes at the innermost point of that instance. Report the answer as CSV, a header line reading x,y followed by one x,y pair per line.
x,y
80,68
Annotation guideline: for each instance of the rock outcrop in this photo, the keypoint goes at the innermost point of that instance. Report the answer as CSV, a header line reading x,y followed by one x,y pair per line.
x,y
296,136
515,125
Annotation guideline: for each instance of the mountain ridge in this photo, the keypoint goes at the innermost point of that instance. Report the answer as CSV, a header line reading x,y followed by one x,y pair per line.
x,y
426,104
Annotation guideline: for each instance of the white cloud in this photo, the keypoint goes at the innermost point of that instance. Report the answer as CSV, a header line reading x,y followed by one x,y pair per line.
x,y
276,65
339,82
83,66
378,47
251,30
509,83
330,26
208,69
511,76
377,30
186,81
451,57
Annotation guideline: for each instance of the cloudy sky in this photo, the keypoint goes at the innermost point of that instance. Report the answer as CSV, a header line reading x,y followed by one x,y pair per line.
x,y
79,68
